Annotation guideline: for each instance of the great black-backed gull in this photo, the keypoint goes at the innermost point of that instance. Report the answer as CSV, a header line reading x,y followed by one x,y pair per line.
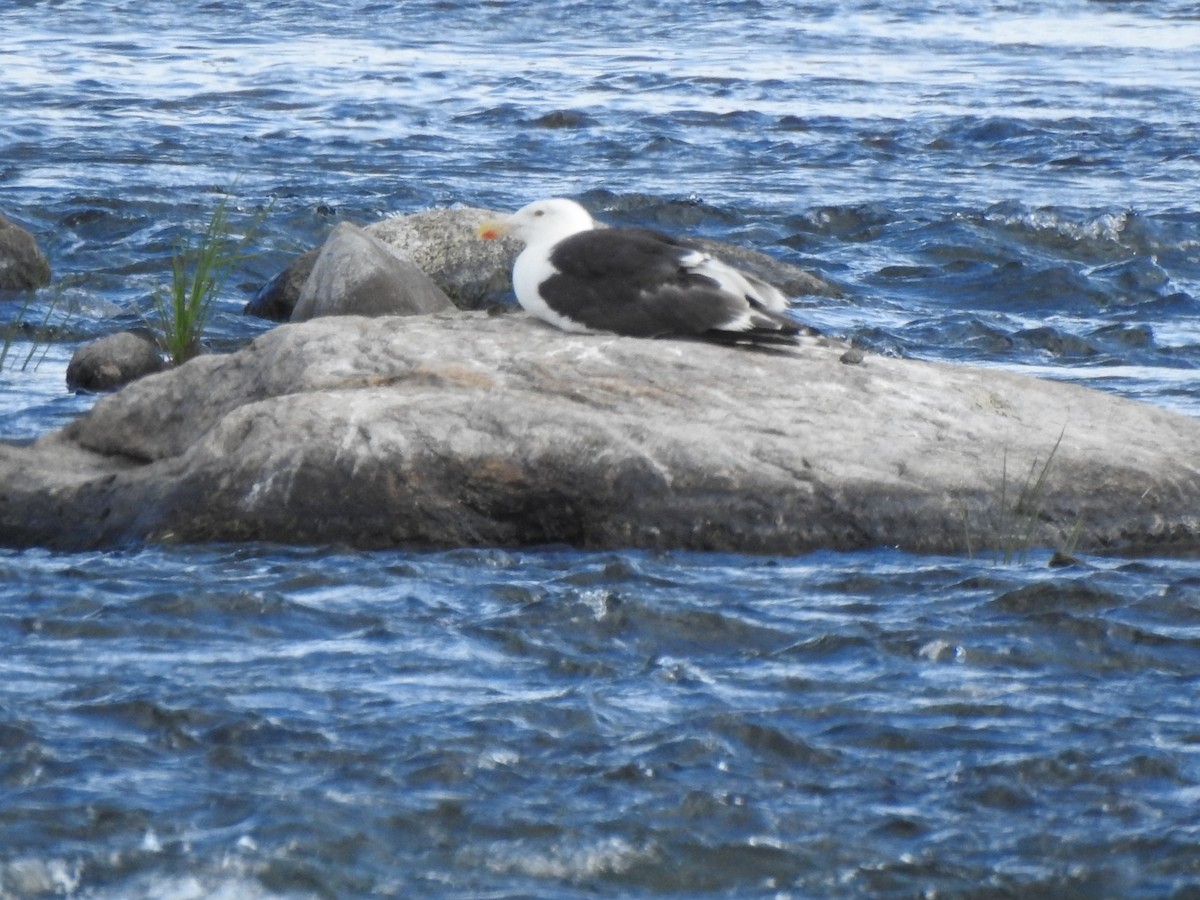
x,y
634,281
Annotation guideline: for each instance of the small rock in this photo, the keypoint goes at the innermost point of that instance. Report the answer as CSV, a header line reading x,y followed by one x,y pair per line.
x,y
564,118
23,266
1061,560
357,274
113,361
852,357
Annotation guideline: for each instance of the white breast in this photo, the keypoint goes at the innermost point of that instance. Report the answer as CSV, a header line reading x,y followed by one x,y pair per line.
x,y
529,271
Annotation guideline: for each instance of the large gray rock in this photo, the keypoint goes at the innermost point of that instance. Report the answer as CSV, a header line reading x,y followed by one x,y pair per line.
x,y
466,429
23,266
792,280
357,274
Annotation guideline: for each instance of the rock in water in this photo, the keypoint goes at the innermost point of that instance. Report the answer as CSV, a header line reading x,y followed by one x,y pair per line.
x,y
356,274
276,299
113,361
443,243
23,266
460,430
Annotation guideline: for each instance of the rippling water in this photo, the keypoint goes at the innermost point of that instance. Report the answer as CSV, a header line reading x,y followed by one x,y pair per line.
x,y
300,723
1006,184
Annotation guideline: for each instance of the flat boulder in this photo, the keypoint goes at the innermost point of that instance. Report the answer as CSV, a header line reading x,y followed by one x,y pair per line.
x,y
466,429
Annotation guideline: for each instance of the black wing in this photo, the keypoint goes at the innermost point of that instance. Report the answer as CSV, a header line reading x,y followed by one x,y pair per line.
x,y
632,281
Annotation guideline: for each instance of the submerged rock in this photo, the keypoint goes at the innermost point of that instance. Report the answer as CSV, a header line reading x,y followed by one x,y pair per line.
x,y
23,266
465,429
113,361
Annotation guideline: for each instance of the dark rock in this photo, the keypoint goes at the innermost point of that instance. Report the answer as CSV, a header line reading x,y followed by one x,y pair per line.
x,y
356,274
276,299
23,266
1056,342
1139,336
470,429
564,118
113,361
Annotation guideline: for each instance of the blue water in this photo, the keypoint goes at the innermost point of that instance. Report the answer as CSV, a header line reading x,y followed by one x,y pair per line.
x,y
1003,184
259,721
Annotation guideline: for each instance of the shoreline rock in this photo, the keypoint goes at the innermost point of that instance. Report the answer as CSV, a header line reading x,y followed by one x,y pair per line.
x,y
468,430
110,362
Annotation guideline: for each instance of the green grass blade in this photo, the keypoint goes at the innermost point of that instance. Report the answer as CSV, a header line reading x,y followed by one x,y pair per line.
x,y
198,274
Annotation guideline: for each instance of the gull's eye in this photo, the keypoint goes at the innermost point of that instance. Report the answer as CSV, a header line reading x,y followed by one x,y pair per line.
x,y
539,212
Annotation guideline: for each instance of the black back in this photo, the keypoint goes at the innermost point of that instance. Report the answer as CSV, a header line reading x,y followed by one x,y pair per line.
x,y
632,281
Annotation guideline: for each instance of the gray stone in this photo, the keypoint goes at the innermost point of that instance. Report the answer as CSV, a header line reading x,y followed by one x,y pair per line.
x,y
23,266
446,245
113,361
466,429
356,274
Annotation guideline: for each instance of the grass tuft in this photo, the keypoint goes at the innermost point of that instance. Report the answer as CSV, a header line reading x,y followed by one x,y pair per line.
x,y
1018,512
198,274
1018,523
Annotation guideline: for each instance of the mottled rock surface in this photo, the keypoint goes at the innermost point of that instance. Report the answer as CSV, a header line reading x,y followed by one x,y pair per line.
x,y
466,429
446,245
23,266
113,361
